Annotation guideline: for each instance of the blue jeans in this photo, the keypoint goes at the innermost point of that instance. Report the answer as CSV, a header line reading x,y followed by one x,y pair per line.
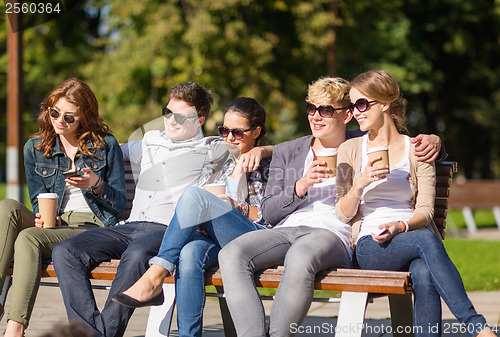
x,y
433,275
304,251
134,243
196,256
185,247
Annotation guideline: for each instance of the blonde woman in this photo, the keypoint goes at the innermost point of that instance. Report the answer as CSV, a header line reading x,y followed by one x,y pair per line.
x,y
391,207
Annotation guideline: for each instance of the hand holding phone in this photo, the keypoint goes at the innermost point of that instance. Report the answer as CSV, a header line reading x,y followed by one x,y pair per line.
x,y
70,173
381,231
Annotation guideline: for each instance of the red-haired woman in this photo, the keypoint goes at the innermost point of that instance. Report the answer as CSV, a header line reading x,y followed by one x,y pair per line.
x,y
71,137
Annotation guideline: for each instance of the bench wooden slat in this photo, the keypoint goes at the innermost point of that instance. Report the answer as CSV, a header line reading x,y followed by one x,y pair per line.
x,y
446,168
372,281
339,280
443,181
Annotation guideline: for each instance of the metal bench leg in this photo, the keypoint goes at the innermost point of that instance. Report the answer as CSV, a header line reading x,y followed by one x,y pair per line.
x,y
3,296
401,315
227,321
160,317
496,214
469,220
351,314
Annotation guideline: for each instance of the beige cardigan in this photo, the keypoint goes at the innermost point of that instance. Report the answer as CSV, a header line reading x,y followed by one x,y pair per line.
x,y
422,177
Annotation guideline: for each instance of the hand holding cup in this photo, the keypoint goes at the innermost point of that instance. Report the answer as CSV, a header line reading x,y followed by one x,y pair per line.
x,y
47,205
216,188
380,157
329,155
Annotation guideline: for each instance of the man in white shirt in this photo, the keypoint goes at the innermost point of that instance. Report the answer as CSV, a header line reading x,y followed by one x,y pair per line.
x,y
170,161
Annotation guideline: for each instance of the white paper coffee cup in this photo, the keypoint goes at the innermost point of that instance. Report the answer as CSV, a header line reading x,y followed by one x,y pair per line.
x,y
329,155
216,188
47,207
379,151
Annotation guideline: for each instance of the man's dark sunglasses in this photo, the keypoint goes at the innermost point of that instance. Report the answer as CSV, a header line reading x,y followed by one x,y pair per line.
x,y
237,133
325,111
179,119
361,104
70,119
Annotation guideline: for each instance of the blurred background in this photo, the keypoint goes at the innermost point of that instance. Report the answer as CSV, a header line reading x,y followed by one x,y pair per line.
x,y
444,54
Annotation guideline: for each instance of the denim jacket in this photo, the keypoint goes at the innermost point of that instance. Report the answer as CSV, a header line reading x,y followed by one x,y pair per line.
x,y
45,175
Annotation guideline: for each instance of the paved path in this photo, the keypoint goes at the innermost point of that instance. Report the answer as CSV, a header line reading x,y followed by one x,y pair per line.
x,y
49,310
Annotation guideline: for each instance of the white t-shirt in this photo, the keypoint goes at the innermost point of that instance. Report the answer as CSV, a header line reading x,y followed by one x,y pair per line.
x,y
319,212
73,200
388,199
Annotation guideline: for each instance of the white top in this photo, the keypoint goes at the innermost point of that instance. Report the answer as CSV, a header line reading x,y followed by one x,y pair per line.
x,y
388,199
73,200
237,188
319,212
168,168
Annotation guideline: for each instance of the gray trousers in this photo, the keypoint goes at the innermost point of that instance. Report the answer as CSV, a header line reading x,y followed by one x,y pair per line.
x,y
303,251
29,245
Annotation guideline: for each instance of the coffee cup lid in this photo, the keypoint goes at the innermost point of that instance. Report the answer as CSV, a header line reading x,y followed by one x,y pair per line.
x,y
378,148
326,152
48,196
216,184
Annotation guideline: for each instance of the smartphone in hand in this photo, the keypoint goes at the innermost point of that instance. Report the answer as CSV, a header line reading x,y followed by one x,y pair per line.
x,y
70,173
381,231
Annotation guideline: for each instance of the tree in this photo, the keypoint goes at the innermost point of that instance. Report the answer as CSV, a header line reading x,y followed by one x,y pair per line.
x,y
269,50
463,100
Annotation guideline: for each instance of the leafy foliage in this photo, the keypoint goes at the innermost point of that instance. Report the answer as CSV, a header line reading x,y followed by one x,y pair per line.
x,y
443,54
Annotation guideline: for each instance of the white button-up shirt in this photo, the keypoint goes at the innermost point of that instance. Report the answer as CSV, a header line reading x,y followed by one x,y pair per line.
x,y
168,167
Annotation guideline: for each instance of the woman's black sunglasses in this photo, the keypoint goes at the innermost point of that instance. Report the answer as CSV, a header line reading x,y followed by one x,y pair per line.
x,y
361,104
179,119
237,133
325,111
70,119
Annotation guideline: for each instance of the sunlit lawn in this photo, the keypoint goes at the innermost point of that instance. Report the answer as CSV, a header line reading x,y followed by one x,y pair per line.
x,y
478,261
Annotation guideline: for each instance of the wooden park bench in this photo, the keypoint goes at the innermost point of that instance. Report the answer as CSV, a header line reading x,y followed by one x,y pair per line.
x,y
358,286
472,195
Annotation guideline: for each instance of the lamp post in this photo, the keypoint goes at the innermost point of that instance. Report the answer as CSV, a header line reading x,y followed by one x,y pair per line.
x,y
15,170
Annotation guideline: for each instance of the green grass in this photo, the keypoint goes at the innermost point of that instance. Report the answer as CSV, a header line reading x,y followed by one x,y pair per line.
x,y
478,262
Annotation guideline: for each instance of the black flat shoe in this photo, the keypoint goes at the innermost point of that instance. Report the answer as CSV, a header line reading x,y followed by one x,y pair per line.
x,y
130,302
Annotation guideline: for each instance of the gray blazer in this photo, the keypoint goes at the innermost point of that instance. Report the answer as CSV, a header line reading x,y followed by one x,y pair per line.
x,y
287,166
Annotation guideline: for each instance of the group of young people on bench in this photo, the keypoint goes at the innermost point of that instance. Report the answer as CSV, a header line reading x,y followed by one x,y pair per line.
x,y
286,211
